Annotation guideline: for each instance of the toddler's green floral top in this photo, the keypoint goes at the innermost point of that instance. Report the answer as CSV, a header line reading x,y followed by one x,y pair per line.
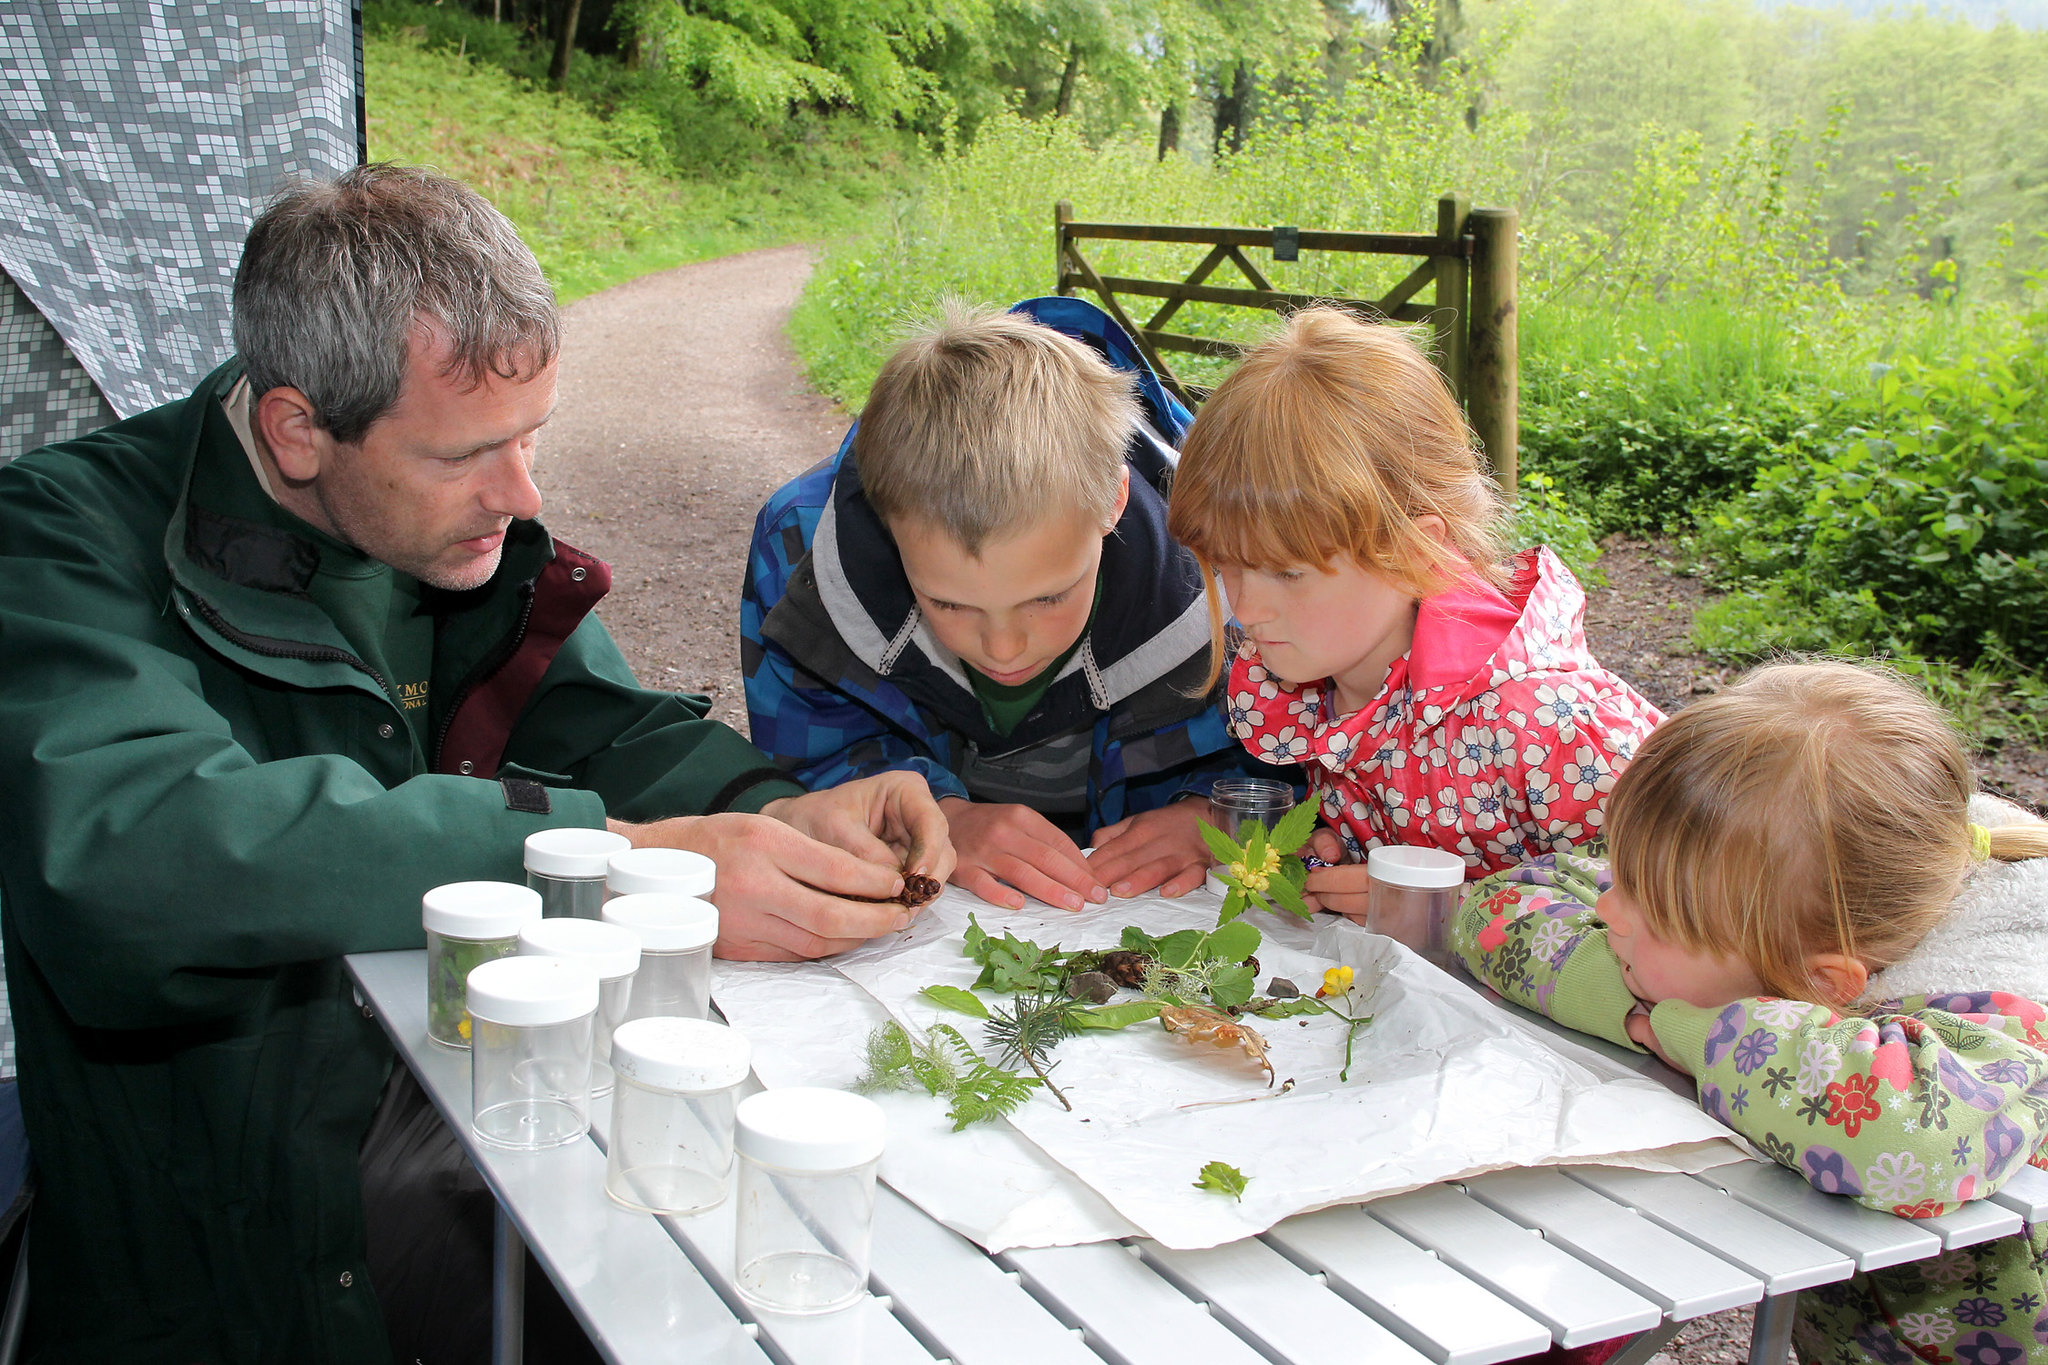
x,y
1913,1107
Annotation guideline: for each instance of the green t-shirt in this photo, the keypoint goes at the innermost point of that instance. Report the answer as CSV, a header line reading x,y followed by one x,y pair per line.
x,y
1005,706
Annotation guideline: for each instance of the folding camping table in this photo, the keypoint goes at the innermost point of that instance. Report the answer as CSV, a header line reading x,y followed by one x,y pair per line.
x,y
1465,1273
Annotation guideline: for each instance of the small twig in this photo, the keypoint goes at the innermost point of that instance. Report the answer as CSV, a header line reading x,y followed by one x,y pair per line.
x,y
1045,1078
1285,1086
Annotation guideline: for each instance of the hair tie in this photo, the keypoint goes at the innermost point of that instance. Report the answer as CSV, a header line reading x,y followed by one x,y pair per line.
x,y
1980,843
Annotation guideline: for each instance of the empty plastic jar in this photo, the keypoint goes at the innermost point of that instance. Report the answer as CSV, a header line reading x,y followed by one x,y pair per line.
x,y
468,924
1233,800
672,1115
568,867
806,1197
1413,894
672,871
530,1063
613,952
676,934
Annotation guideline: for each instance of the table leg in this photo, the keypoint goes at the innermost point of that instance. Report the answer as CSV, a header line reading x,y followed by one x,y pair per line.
x,y
508,1293
1772,1340
1643,1345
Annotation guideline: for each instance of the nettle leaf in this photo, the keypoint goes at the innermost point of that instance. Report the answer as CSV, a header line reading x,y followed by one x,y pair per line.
x,y
953,998
1220,845
1232,942
1296,826
1116,1016
1223,1178
1232,986
1254,834
1136,940
1288,897
1233,905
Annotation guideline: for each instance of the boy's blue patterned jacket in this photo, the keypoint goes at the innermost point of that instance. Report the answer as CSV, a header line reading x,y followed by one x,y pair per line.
x,y
845,679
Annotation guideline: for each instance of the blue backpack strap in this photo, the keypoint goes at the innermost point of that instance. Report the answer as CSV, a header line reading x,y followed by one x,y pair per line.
x,y
1084,321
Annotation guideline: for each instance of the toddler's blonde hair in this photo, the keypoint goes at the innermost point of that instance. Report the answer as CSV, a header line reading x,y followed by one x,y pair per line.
x,y
1810,808
1329,440
983,421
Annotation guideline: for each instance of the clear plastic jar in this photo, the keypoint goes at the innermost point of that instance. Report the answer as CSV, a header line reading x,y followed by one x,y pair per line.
x,y
468,924
568,867
668,871
530,1064
805,1220
1413,893
610,950
1234,800
672,1116
676,934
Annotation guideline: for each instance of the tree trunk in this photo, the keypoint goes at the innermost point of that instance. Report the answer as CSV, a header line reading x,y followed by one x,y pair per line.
x,y
565,43
1064,105
1234,110
1169,130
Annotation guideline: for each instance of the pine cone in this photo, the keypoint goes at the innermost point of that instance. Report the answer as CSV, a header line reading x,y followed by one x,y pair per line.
x,y
1126,968
918,889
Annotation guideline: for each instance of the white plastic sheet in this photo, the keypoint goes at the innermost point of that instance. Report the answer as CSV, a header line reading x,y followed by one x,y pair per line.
x,y
1444,1084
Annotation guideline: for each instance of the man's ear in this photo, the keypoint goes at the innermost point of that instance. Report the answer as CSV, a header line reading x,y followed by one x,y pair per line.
x,y
1123,500
291,434
1837,978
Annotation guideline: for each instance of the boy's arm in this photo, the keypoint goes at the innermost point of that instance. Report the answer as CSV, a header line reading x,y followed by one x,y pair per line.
x,y
1531,934
1911,1110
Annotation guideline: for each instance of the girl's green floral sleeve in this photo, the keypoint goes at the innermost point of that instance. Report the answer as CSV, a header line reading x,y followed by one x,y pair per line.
x,y
1531,934
1926,1103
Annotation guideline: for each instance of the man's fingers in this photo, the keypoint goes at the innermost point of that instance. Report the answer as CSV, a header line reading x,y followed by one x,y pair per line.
x,y
820,923
848,833
834,870
979,881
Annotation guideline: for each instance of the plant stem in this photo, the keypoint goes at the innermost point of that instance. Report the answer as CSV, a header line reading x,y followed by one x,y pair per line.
x,y
1046,1079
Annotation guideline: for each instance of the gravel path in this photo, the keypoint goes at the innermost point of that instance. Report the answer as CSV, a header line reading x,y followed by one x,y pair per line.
x,y
681,409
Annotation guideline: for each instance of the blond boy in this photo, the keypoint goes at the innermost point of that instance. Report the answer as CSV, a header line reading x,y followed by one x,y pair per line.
x,y
979,587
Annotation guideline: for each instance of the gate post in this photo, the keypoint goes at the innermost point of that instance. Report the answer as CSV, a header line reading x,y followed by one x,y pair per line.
x,y
1494,360
1062,214
1451,289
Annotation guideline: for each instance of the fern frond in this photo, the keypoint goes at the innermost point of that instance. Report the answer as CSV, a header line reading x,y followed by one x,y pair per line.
x,y
987,1093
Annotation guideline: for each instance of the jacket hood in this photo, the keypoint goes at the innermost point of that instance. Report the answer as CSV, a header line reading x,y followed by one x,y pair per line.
x,y
1994,938
1472,638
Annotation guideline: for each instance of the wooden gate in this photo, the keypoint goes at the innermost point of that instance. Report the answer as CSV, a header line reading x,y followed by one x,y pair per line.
x,y
1469,264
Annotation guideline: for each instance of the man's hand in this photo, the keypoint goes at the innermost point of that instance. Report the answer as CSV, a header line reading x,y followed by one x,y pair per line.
x,y
888,819
1342,888
1021,847
1161,849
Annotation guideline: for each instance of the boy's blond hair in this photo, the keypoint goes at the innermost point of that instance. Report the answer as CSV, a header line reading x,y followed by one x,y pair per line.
x,y
1329,440
1810,808
983,422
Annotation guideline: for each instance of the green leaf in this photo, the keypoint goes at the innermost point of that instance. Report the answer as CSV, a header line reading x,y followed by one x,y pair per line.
x,y
1178,950
1232,942
1136,940
1116,1016
953,998
1223,1178
1289,1009
1296,826
1231,986
1288,897
1233,905
1254,843
1219,843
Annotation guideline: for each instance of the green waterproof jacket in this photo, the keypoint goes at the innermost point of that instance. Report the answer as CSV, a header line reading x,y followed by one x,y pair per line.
x,y
205,800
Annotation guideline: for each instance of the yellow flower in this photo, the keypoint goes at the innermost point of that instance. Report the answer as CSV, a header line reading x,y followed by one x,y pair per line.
x,y
1272,861
1249,879
462,1029
1336,981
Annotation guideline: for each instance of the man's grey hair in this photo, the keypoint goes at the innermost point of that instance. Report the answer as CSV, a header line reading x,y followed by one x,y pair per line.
x,y
337,275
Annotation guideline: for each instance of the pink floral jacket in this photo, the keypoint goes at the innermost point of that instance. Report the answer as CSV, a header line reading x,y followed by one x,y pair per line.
x,y
1497,736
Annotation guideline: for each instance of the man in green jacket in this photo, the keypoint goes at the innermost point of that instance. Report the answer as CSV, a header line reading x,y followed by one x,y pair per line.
x,y
274,660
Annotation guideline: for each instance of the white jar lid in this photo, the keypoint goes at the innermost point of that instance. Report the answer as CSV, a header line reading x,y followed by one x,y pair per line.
x,y
1427,869
479,910
675,870
612,950
573,852
681,1054
665,923
528,992
807,1128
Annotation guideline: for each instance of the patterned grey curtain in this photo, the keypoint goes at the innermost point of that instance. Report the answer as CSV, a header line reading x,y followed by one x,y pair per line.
x,y
137,142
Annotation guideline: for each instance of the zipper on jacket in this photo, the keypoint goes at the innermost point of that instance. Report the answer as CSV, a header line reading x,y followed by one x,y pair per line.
x,y
279,649
491,664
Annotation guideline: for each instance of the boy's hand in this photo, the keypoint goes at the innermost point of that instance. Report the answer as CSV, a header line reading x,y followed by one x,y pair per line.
x,y
1161,849
1342,888
1021,847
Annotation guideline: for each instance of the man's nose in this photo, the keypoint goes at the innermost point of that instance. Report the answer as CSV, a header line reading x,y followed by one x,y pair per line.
x,y
513,493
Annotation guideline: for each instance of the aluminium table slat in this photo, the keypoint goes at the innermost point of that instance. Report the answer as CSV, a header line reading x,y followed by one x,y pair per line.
x,y
959,1301
1408,1291
1874,1240
1125,1310
1785,1259
629,1285
1576,1302
1675,1274
1267,1299
1980,1220
2026,1193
